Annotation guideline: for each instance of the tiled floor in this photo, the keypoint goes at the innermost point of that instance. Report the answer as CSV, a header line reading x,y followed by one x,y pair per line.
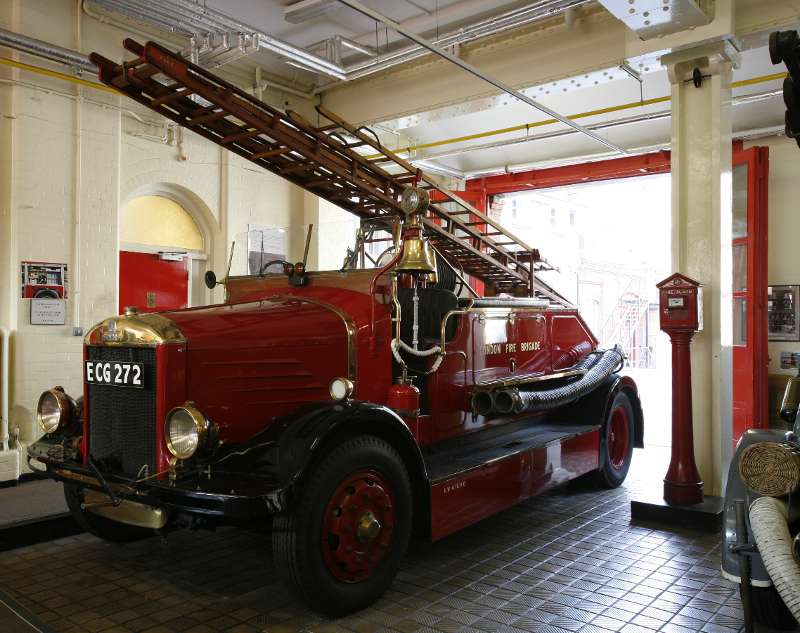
x,y
566,561
31,500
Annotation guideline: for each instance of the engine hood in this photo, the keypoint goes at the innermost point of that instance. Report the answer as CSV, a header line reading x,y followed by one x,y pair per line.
x,y
250,363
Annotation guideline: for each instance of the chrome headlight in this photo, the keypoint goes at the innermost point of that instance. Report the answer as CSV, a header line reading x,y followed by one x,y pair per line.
x,y
54,409
186,430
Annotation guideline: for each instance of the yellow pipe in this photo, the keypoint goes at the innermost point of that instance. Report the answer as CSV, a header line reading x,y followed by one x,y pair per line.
x,y
56,75
527,126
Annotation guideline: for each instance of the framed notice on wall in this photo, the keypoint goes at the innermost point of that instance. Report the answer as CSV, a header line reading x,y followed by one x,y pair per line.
x,y
782,313
48,312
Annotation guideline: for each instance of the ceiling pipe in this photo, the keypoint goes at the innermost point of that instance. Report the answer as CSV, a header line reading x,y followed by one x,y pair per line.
x,y
743,135
45,50
485,28
189,18
638,118
378,17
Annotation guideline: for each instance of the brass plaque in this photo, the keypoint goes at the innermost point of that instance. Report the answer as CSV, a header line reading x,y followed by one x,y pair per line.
x,y
151,299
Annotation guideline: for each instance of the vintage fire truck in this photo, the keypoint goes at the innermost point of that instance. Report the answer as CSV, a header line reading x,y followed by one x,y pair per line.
x,y
348,408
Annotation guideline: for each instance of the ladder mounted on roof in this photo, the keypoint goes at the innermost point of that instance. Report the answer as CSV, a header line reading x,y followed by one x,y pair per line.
x,y
342,163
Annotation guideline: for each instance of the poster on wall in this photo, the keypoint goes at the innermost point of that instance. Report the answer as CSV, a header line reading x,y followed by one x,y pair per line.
x,y
782,313
43,280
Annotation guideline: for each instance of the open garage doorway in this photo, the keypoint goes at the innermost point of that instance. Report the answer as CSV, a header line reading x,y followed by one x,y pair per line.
x,y
609,242
162,256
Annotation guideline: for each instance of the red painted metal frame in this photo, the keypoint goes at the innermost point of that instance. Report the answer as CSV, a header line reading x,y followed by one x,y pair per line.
x,y
630,166
750,373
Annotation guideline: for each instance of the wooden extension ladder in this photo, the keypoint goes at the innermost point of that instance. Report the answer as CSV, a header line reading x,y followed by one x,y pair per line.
x,y
342,163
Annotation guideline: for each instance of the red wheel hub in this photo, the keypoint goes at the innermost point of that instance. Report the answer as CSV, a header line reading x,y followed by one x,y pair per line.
x,y
357,526
618,437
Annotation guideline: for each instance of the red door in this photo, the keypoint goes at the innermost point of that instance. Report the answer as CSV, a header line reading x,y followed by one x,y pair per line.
x,y
750,402
152,284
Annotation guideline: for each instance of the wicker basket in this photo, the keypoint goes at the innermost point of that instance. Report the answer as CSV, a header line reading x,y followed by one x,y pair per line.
x,y
770,468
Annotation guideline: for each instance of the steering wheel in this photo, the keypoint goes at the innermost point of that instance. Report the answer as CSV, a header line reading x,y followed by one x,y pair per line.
x,y
287,266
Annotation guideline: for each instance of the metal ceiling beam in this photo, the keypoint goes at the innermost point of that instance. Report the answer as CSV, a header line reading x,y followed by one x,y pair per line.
x,y
378,17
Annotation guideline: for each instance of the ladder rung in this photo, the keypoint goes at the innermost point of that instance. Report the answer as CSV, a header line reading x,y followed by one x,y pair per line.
x,y
206,118
270,152
297,167
180,92
232,138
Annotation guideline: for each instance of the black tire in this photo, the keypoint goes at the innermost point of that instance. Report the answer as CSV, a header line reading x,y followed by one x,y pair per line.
x,y
98,526
615,459
297,535
770,610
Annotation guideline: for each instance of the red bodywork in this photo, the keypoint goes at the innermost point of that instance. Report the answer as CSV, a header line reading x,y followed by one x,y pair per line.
x,y
274,347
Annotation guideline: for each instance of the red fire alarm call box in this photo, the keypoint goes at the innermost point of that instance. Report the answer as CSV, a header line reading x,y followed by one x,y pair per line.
x,y
680,304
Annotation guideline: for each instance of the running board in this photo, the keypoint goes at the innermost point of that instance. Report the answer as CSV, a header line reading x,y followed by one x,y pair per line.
x,y
476,476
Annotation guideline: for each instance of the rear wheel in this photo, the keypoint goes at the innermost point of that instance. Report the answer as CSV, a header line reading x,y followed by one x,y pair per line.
x,y
616,445
770,610
340,547
100,527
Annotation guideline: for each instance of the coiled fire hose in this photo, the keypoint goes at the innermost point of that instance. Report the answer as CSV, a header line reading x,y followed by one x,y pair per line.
x,y
598,365
397,345
769,523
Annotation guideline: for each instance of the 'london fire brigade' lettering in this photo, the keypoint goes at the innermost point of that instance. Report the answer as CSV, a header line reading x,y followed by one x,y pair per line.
x,y
510,348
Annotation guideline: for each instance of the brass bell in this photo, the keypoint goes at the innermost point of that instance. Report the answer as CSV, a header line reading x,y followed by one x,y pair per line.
x,y
417,254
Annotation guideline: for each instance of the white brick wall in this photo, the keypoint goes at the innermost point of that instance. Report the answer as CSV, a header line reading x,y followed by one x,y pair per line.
x,y
37,197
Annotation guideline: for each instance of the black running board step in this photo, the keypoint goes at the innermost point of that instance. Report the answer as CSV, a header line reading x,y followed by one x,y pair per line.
x,y
451,457
33,531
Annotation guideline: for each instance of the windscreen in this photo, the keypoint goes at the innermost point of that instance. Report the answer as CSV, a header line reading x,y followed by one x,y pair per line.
x,y
343,244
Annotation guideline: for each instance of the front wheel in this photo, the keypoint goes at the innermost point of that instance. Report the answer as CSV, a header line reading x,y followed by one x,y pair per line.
x,y
340,546
616,443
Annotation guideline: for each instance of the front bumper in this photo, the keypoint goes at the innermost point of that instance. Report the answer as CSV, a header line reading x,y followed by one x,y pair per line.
x,y
213,494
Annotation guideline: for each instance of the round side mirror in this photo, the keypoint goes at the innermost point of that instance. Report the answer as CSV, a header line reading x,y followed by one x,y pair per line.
x,y
210,279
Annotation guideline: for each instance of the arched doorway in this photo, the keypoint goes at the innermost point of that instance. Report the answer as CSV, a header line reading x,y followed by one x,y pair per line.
x,y
162,255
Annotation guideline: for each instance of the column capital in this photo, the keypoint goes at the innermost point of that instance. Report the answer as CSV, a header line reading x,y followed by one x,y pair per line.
x,y
710,57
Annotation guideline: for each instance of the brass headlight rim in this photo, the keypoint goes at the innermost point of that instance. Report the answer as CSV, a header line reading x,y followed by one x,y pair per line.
x,y
349,386
64,409
201,424
412,207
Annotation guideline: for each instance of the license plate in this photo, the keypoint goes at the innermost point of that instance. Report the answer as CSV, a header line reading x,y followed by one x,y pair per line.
x,y
115,373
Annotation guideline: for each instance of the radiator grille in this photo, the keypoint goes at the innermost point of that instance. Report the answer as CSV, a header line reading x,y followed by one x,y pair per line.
x,y
122,420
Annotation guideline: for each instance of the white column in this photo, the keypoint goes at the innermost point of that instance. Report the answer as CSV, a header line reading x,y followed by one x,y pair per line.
x,y
701,238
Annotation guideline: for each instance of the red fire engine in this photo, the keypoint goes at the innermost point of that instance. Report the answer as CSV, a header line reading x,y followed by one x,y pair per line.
x,y
351,407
